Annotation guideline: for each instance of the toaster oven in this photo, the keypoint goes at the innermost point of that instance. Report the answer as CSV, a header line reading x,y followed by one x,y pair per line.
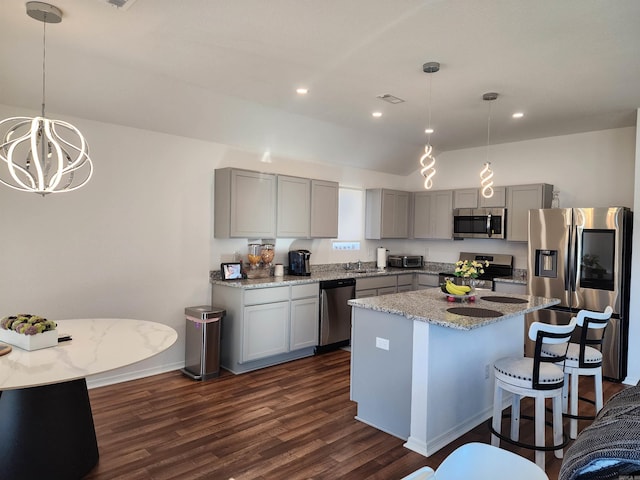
x,y
405,261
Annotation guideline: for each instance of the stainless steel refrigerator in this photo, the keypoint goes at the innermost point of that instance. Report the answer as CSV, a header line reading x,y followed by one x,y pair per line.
x,y
583,257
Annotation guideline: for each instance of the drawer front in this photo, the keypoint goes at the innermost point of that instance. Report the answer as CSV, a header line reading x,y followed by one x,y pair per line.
x,y
376,282
425,279
405,279
305,291
387,290
256,296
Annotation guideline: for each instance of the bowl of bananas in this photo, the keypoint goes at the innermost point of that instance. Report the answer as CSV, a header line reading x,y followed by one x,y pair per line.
x,y
455,292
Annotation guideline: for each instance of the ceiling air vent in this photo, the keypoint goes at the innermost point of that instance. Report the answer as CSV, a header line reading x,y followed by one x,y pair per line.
x,y
119,4
390,98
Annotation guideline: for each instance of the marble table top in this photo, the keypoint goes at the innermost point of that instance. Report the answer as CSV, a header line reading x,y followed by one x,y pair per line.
x,y
98,345
431,306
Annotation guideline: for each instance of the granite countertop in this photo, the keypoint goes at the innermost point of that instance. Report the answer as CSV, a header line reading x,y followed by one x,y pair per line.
x,y
319,276
431,306
339,272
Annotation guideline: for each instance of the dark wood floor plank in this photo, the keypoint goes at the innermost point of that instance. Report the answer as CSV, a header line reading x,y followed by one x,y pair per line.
x,y
291,421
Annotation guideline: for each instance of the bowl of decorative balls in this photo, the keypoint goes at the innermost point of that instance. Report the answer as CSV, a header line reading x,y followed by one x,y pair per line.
x,y
455,292
29,332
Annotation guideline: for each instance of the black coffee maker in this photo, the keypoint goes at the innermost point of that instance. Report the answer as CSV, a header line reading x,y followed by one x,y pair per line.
x,y
299,262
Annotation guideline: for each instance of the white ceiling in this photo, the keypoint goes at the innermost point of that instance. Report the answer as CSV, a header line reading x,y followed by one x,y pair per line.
x,y
226,71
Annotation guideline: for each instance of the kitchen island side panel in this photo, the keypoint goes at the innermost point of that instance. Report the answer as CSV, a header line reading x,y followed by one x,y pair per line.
x,y
381,359
453,379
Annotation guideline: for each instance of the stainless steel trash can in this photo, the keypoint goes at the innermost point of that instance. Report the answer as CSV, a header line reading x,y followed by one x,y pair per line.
x,y
202,342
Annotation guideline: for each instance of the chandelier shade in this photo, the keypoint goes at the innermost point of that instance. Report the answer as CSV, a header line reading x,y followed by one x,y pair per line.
x,y
42,155
427,160
486,175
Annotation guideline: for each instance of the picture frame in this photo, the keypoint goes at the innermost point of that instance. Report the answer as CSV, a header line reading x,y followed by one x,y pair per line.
x,y
231,271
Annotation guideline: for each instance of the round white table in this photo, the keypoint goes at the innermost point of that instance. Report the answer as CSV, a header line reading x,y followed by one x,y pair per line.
x,y
46,425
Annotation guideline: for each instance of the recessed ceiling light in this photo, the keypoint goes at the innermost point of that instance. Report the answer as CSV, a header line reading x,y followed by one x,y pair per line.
x,y
429,131
302,91
517,115
376,114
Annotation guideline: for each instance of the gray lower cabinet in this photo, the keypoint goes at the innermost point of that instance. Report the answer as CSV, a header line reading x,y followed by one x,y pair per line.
x,y
405,283
304,327
265,330
427,280
375,286
266,326
509,287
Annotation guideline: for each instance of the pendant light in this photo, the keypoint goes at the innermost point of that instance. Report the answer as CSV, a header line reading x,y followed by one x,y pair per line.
x,y
427,160
43,155
486,175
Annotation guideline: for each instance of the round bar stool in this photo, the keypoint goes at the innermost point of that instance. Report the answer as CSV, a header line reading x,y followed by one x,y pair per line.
x,y
584,358
540,378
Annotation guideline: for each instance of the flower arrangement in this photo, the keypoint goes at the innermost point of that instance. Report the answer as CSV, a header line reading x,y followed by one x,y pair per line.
x,y
27,324
470,269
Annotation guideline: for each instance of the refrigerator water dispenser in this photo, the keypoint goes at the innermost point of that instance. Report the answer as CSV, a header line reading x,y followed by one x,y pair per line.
x,y
547,263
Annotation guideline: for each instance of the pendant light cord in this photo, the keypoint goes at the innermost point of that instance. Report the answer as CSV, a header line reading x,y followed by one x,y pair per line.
x,y
489,129
429,110
44,56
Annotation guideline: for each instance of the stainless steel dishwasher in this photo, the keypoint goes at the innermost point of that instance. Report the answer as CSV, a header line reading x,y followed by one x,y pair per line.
x,y
335,314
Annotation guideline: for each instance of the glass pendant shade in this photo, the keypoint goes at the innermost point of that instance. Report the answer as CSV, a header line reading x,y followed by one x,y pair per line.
x,y
428,162
486,180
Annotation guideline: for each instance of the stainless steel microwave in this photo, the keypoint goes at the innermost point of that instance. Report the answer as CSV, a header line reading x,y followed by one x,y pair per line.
x,y
479,223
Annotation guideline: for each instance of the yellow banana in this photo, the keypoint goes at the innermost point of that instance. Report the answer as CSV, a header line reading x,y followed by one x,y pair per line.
x,y
454,289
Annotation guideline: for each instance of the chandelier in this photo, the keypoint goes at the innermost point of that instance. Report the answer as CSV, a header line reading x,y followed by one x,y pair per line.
x,y
486,175
43,155
427,160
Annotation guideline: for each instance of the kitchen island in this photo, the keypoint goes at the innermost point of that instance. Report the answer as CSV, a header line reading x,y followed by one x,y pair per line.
x,y
423,371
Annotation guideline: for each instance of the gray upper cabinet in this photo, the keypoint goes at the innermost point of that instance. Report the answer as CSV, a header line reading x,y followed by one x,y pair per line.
x,y
387,214
294,207
465,198
433,214
244,204
521,199
498,200
324,209
307,208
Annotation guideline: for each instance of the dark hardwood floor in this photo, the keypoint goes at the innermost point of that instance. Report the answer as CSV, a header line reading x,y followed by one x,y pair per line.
x,y
291,421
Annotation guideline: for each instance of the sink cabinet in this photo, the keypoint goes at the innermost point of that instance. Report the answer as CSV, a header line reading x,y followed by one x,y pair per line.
x,y
266,326
375,286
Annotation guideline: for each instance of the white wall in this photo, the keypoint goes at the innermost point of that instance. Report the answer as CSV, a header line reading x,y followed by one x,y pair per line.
x,y
633,359
137,241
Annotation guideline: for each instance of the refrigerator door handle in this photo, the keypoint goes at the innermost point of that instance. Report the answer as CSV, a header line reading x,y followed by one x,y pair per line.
x,y
567,261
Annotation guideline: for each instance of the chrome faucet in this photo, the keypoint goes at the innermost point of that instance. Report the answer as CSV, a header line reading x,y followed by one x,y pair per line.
x,y
359,265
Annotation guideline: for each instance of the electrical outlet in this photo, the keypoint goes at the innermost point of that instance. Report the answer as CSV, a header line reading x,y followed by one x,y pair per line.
x,y
382,343
487,372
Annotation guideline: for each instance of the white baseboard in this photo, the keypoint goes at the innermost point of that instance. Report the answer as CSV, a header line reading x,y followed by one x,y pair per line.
x,y
102,380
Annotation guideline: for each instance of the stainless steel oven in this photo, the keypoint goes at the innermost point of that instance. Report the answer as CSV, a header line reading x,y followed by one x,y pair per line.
x,y
479,222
